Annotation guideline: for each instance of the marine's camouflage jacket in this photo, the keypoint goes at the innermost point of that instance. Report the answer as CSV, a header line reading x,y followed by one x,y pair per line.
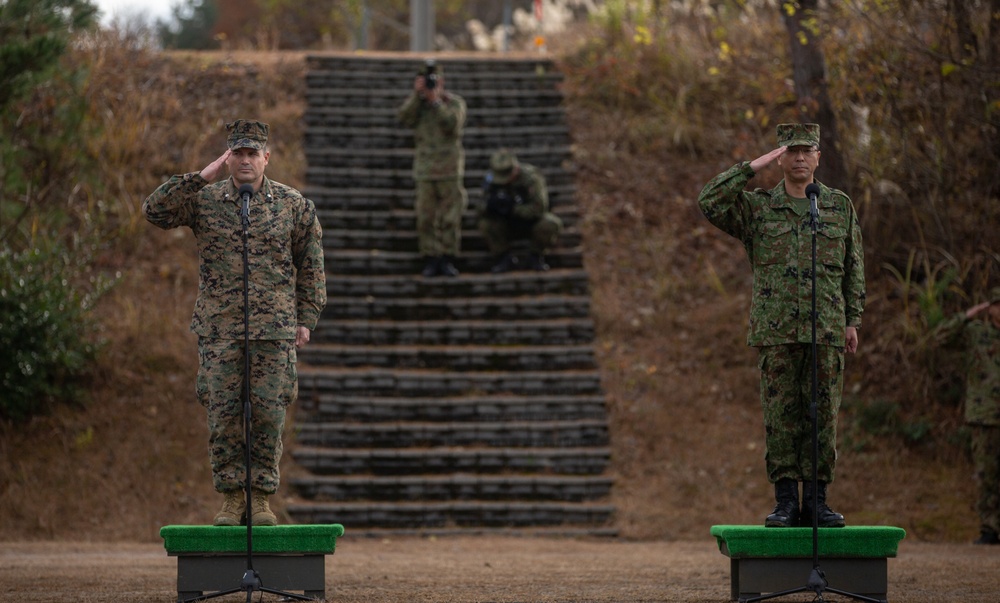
x,y
776,232
981,346
437,135
287,282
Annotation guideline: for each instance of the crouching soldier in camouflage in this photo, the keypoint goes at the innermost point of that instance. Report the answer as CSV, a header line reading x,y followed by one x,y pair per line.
x,y
287,292
978,329
516,206
774,227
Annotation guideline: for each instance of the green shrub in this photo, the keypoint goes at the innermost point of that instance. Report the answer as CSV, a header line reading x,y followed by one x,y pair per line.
x,y
47,334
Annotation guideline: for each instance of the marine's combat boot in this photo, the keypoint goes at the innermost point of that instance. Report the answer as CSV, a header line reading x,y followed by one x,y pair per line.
x,y
431,266
233,509
786,512
262,515
826,517
506,262
536,261
446,267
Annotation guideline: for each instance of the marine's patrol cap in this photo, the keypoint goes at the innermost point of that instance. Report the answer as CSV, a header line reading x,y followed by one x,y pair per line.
x,y
502,164
244,133
798,135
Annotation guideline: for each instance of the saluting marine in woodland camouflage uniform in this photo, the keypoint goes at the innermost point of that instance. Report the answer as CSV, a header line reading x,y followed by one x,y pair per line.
x,y
437,118
981,339
287,292
516,205
774,227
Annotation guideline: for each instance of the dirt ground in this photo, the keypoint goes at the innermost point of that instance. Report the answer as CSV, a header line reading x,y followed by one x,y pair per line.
x,y
480,569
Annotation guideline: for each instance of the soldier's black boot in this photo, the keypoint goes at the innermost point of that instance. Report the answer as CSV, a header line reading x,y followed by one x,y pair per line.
x,y
786,512
536,261
987,536
446,267
506,262
827,517
431,266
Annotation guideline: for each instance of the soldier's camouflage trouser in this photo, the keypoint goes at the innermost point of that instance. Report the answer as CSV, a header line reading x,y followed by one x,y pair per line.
x,y
986,460
786,395
439,207
273,386
542,233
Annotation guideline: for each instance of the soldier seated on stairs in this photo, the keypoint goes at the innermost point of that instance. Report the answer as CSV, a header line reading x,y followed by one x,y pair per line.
x,y
515,206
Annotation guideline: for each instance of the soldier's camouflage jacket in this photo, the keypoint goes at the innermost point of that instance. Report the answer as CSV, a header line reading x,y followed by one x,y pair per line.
x,y
981,347
287,284
776,233
528,188
437,135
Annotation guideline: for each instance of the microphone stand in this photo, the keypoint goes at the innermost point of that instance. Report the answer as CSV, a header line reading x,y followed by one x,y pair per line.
x,y
817,581
251,578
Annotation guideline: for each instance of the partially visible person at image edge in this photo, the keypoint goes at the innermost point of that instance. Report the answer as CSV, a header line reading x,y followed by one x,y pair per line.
x,y
978,328
287,293
774,227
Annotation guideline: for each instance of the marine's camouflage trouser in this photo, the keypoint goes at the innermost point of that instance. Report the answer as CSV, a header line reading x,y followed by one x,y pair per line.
x,y
986,460
786,395
273,386
542,233
439,208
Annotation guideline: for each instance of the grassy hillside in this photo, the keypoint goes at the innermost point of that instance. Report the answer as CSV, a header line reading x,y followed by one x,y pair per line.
x,y
670,299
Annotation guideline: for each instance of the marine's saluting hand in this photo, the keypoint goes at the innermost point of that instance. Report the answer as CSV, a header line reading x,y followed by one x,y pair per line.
x,y
212,170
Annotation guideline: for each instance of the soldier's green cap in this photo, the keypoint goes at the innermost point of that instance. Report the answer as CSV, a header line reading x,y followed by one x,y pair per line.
x,y
245,133
502,164
798,135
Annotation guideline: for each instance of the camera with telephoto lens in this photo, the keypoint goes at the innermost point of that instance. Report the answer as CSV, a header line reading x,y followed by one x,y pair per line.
x,y
430,75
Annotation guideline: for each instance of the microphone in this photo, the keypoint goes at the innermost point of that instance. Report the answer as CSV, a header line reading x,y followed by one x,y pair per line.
x,y
812,191
246,191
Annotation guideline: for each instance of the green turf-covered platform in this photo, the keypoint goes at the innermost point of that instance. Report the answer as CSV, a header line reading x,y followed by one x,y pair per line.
x,y
768,560
288,558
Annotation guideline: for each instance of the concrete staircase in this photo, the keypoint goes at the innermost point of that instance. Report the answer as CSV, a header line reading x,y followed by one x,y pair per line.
x,y
445,405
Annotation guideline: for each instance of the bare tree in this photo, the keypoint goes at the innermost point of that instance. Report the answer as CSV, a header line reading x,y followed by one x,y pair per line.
x,y
809,76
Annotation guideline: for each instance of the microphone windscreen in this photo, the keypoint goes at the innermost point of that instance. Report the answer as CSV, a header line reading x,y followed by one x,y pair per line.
x,y
812,189
247,189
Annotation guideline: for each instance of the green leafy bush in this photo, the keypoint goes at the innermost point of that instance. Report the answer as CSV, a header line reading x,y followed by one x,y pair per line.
x,y
46,331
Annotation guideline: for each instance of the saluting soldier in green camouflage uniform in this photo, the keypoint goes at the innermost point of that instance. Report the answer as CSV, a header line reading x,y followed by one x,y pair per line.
x,y
516,205
437,118
774,227
287,292
981,339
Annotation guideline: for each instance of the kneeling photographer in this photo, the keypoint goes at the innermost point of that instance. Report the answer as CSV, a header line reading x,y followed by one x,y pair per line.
x,y
516,206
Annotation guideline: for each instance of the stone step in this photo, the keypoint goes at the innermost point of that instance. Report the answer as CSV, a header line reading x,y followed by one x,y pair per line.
x,y
568,488
377,202
406,241
399,79
318,139
497,332
571,313
418,461
453,358
336,406
377,64
399,434
476,117
316,382
490,98
375,261
396,220
450,514
460,290
393,168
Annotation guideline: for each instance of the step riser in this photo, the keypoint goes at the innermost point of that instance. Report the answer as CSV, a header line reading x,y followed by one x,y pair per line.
x,y
401,518
384,173
455,360
454,384
352,335
437,491
467,286
472,262
401,437
336,463
334,219
407,241
405,309
363,410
